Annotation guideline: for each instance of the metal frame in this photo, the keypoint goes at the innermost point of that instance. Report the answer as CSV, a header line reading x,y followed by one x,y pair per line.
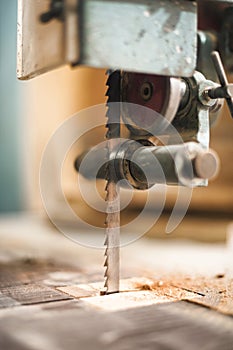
x,y
138,35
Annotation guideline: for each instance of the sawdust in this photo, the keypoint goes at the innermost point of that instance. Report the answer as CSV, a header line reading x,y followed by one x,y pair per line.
x,y
150,285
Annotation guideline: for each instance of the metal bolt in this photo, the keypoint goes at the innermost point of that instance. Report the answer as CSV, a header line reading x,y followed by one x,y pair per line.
x,y
146,91
56,11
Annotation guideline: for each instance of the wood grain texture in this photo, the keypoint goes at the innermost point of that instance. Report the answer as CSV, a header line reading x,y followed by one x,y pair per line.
x,y
6,301
50,304
32,294
21,283
174,326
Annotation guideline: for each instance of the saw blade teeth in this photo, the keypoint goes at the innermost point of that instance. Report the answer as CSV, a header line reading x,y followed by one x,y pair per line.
x,y
111,262
106,186
107,197
107,92
106,286
106,243
106,262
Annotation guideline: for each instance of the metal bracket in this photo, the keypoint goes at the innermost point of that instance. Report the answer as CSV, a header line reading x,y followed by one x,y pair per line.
x,y
144,36
44,45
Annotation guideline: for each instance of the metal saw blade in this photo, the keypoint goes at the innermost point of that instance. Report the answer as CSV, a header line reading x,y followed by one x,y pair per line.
x,y
112,241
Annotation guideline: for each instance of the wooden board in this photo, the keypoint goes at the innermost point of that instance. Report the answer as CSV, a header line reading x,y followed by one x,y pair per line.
x,y
54,302
165,326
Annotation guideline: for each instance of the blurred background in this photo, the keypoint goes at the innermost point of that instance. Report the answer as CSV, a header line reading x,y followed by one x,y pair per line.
x,y
31,111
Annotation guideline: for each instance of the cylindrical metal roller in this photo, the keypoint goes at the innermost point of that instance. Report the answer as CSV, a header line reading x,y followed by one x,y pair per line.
x,y
185,164
206,164
143,166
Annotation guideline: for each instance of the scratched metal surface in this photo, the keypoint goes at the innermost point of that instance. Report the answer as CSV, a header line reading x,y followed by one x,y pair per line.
x,y
40,47
142,35
147,36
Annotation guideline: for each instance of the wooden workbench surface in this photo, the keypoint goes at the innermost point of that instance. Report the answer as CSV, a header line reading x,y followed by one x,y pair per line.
x,y
174,295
